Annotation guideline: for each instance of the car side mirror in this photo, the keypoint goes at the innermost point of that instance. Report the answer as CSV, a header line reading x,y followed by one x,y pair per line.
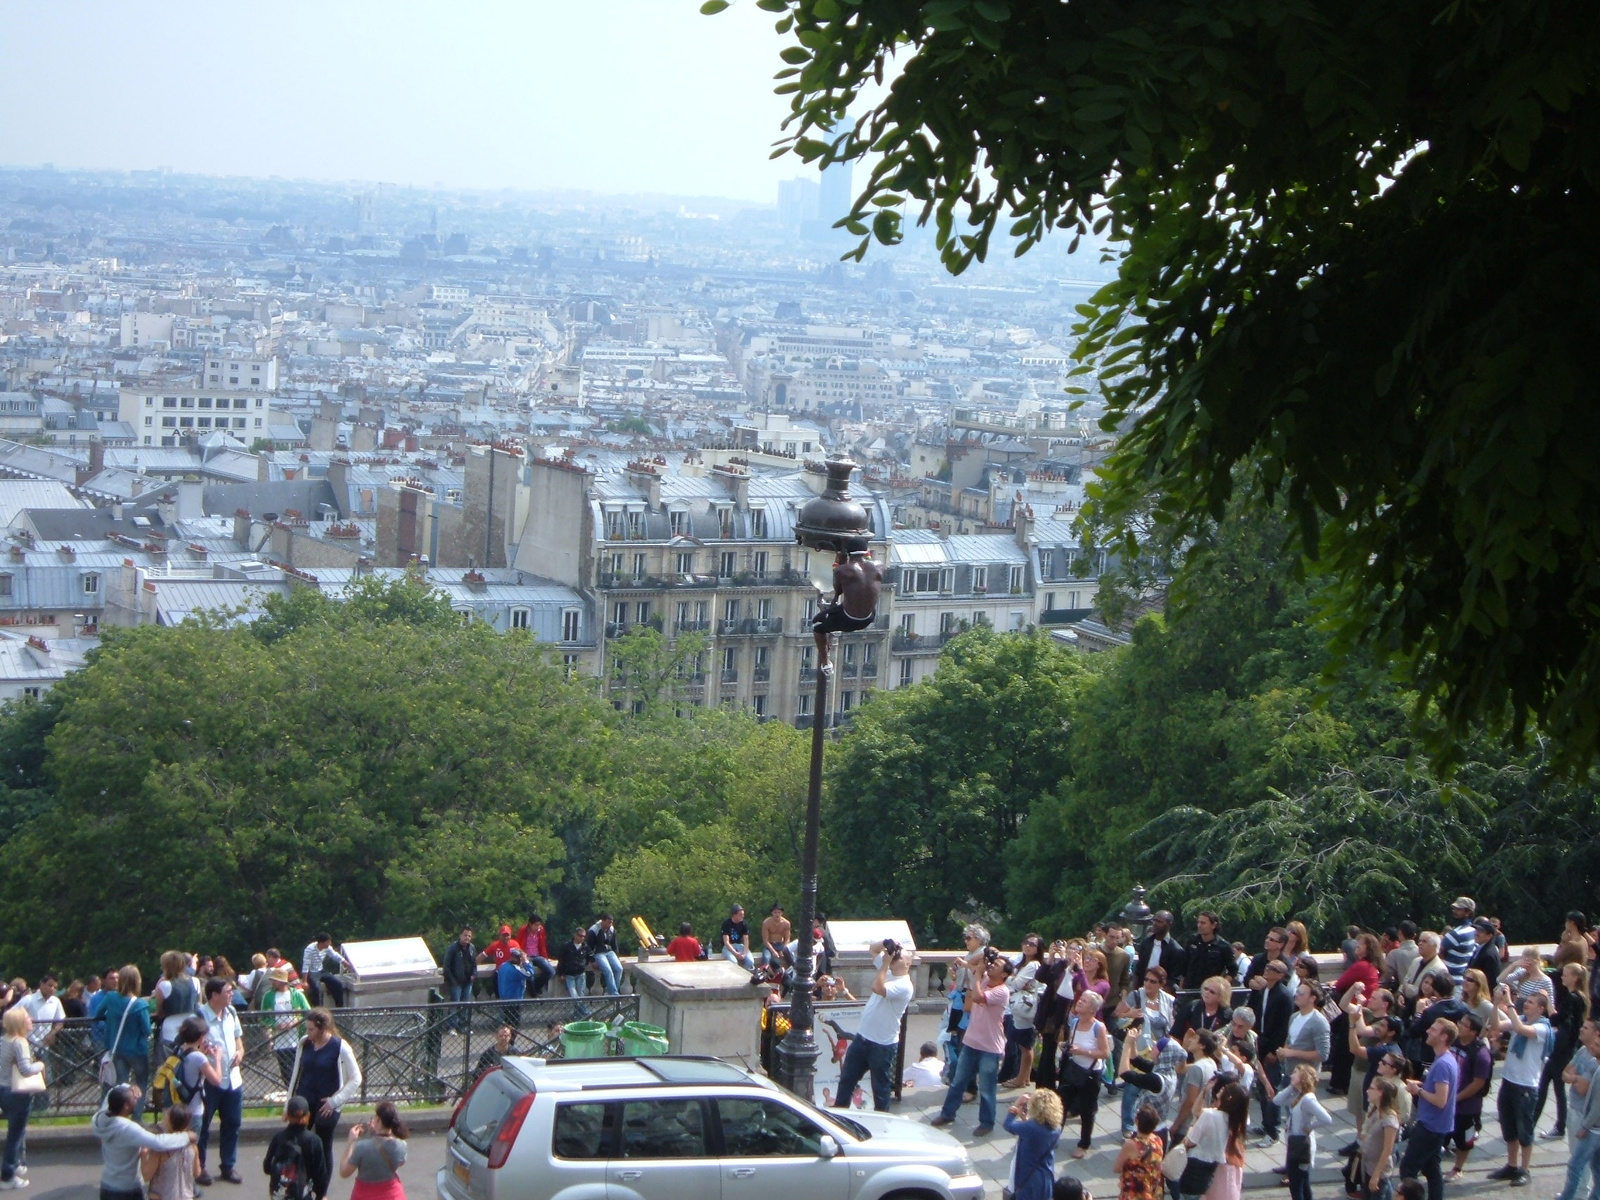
x,y
828,1146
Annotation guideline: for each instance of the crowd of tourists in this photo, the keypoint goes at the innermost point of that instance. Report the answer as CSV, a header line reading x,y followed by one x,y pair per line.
x,y
1405,1031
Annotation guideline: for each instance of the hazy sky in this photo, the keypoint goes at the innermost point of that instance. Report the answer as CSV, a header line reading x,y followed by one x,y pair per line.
x,y
606,95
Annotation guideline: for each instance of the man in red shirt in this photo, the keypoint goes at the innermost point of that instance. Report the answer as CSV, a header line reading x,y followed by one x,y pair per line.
x,y
685,947
499,950
532,939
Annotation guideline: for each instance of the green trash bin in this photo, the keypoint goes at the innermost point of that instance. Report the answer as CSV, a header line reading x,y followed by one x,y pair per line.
x,y
643,1040
584,1039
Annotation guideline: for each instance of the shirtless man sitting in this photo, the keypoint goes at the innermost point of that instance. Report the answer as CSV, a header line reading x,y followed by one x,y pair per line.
x,y
857,584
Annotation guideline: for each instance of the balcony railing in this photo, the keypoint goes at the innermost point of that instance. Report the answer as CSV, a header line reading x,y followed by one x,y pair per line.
x,y
730,674
781,578
683,627
750,627
924,643
808,674
869,670
851,670
1063,616
762,674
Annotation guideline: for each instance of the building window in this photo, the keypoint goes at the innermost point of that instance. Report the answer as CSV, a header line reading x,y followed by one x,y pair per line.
x,y
169,422
238,422
947,622
675,522
635,525
569,663
616,564
686,563
613,526
730,562
760,703
639,562
619,612
569,625
758,522
205,401
758,564
905,672
726,515
1047,564
241,403
91,585
730,610
908,623
186,402
169,402
644,612
916,582
730,659
803,705
980,579
847,701
1016,580
683,614
149,401
258,422
5,585
205,422
764,608
186,422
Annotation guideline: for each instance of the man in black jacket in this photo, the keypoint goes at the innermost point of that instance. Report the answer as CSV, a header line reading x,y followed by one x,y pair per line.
x,y
1159,948
1208,954
460,972
1273,947
1273,1005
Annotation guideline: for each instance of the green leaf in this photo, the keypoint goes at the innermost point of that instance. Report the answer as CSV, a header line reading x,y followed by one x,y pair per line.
x,y
712,7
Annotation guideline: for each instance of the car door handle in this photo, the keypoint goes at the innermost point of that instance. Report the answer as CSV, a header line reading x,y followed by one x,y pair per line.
x,y
742,1172
629,1175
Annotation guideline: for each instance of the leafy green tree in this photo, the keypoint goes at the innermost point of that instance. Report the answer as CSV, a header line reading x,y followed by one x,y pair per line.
x,y
1357,248
693,875
653,667
368,600
934,782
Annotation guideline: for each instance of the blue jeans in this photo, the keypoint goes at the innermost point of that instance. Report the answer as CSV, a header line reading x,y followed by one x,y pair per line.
x,y
1585,1156
980,1065
861,1056
15,1106
610,968
460,993
739,956
134,1069
543,972
577,988
229,1103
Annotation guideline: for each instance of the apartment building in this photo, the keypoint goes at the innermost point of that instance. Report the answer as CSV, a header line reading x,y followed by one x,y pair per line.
x,y
706,549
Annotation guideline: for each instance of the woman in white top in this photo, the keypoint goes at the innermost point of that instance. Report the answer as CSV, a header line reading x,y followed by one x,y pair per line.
x,y
1088,1045
1151,998
16,1064
1207,1144
1024,1003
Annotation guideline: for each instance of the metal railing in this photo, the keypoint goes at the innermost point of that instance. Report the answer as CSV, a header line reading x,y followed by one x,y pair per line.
x,y
420,1054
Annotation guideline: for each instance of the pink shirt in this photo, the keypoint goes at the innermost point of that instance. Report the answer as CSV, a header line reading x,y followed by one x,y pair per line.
x,y
985,1028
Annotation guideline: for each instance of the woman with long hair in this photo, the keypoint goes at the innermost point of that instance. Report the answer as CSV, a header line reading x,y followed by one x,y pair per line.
x,y
1366,970
1478,996
328,1077
1299,940
1233,1103
1021,1011
1035,1120
1055,973
1379,1135
1305,1117
124,1028
1572,1010
374,1155
16,1063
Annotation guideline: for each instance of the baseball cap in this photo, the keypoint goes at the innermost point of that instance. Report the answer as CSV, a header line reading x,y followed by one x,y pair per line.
x,y
1465,902
506,930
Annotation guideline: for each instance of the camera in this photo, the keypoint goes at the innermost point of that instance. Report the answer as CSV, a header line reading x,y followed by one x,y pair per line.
x,y
891,949
989,955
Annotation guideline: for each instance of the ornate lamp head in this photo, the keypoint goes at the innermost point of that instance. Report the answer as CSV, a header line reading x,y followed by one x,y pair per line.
x,y
833,521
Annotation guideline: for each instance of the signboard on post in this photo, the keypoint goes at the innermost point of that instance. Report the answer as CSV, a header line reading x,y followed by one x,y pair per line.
x,y
391,971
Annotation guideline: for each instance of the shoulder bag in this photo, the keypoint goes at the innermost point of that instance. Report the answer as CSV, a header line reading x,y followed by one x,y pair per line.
x,y
108,1068
26,1084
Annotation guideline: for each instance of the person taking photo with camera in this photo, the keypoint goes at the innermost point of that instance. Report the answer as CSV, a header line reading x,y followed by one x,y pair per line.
x,y
878,1036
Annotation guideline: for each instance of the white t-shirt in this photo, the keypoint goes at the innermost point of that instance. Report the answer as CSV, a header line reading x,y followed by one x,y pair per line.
x,y
289,1030
1024,995
1155,956
1524,1068
880,1020
925,1072
1297,1023
45,1014
1209,1134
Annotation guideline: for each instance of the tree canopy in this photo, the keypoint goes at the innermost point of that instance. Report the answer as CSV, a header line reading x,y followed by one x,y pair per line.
x,y
1357,249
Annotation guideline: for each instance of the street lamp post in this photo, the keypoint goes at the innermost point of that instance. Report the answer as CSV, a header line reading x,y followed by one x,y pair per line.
x,y
823,525
1136,914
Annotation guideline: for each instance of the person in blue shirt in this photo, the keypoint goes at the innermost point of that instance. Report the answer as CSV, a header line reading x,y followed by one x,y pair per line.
x,y
511,983
1036,1122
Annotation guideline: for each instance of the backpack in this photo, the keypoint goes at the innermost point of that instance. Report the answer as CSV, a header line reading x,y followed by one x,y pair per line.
x,y
167,1089
290,1179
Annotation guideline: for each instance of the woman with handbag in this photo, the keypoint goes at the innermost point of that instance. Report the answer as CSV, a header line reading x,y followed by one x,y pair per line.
x,y
124,1020
1233,1105
1020,1014
1305,1116
21,1078
1088,1045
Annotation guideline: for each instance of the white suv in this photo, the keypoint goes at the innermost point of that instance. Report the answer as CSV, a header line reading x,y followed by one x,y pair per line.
x,y
682,1129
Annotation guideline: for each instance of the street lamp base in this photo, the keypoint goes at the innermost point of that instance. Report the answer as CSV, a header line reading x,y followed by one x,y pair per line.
x,y
795,1063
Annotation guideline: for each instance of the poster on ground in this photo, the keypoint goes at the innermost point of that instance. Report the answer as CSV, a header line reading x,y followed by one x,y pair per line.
x,y
836,1024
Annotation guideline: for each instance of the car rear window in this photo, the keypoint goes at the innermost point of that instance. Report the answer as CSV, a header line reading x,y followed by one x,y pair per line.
x,y
485,1109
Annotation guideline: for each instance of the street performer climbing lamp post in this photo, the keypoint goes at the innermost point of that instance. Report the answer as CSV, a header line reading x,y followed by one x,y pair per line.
x,y
832,522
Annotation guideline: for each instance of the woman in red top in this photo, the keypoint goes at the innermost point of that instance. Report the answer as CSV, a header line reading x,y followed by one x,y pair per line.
x,y
1366,970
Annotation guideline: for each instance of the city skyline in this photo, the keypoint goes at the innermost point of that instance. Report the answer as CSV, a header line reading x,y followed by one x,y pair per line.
x,y
667,101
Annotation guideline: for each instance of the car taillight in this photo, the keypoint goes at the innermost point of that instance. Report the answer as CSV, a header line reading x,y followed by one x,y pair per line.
x,y
506,1137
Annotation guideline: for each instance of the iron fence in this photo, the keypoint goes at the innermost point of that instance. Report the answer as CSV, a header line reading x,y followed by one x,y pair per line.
x,y
421,1054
